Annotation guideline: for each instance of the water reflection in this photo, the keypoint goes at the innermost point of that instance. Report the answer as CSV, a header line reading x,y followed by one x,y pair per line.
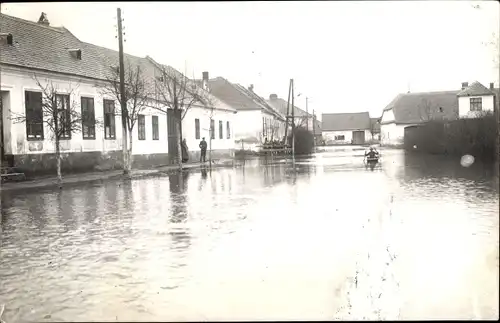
x,y
293,236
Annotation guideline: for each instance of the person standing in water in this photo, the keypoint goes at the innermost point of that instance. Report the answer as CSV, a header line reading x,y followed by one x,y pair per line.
x,y
203,147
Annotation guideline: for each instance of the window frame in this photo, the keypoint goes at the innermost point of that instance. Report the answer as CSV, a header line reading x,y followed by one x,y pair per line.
x,y
141,127
66,111
88,120
112,126
156,127
197,129
212,129
228,130
221,129
30,112
476,104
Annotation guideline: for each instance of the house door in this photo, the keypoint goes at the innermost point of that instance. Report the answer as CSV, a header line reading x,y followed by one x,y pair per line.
x,y
173,152
358,137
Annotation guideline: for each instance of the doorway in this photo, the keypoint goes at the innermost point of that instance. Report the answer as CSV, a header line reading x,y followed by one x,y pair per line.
x,y
358,137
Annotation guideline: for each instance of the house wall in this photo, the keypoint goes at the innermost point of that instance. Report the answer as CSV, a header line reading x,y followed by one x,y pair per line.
x,y
221,148
329,137
392,134
249,125
464,105
387,116
78,154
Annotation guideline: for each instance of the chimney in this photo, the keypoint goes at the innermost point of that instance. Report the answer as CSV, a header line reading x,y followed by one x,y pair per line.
x,y
492,86
464,85
205,81
273,97
251,87
43,19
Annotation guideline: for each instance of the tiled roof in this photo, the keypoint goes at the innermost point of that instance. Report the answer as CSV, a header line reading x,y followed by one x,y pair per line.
x,y
42,47
411,108
345,121
475,89
232,95
260,101
281,106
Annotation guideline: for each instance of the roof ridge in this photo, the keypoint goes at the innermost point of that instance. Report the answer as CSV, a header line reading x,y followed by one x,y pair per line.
x,y
30,22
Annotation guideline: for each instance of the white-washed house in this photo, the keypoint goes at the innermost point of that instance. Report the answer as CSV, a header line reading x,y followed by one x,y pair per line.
x,y
55,56
410,109
255,120
346,128
475,99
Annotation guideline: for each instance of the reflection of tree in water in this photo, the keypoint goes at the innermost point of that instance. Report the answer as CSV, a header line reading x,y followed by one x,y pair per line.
x,y
178,197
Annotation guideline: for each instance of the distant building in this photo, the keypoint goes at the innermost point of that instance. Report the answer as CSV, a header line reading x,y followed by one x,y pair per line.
x,y
410,109
300,116
475,99
255,121
346,128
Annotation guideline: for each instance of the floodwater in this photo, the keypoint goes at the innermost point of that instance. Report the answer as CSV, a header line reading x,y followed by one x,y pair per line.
x,y
414,238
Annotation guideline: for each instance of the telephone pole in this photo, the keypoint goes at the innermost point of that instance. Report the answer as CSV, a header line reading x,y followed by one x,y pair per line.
x,y
123,99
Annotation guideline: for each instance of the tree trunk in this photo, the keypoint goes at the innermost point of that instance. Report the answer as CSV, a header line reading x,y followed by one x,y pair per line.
x,y
58,162
126,171
178,138
129,153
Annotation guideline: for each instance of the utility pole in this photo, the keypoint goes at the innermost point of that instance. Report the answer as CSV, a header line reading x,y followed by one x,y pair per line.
x,y
314,129
123,102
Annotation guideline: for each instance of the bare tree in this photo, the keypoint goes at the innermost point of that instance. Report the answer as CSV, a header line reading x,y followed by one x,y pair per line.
x,y
180,94
137,94
425,110
209,102
57,113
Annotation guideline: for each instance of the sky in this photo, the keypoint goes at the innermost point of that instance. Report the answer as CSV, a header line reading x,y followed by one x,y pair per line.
x,y
344,56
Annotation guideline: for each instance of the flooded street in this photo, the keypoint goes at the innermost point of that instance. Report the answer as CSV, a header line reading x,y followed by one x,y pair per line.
x,y
415,238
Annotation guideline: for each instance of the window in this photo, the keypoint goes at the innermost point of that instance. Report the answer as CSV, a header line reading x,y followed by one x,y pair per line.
x,y
156,131
88,118
220,130
109,119
34,115
476,104
141,126
197,128
64,116
228,130
212,129
340,137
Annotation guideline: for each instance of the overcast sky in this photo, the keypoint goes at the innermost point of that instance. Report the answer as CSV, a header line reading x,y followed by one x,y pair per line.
x,y
346,56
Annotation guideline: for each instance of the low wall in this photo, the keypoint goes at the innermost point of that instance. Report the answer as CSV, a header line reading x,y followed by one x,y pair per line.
x,y
476,137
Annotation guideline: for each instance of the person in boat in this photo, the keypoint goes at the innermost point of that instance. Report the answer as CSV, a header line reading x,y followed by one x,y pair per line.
x,y
372,154
203,148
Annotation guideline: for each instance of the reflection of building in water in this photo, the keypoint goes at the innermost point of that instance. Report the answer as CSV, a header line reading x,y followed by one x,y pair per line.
x,y
178,187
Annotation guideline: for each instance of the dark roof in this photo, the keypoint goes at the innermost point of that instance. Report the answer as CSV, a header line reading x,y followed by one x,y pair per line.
x,y
232,95
345,121
475,89
259,100
412,108
281,106
375,124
